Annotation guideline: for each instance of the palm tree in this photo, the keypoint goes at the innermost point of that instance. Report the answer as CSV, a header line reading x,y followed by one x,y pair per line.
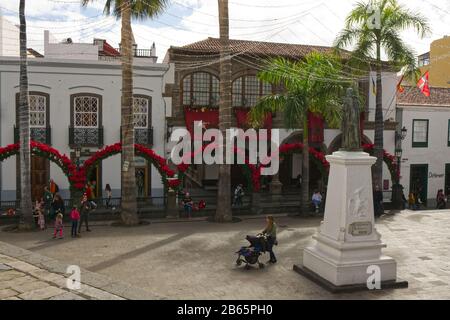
x,y
126,10
313,85
373,26
27,221
223,211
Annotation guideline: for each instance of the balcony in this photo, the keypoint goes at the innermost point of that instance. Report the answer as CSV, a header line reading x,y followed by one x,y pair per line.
x,y
142,136
42,135
140,53
85,137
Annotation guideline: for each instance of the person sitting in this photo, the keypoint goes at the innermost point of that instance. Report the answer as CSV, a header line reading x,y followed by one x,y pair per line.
x,y
317,200
188,205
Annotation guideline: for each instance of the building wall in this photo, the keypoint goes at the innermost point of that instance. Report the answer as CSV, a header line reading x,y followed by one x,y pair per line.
x,y
439,66
436,155
78,51
60,80
9,38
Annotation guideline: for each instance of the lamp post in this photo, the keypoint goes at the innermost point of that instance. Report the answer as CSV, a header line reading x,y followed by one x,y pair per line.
x,y
397,188
77,157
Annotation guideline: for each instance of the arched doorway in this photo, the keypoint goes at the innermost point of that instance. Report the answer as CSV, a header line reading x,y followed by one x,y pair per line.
x,y
291,166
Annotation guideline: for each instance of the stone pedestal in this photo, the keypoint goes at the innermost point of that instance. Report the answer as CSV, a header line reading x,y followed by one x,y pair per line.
x,y
172,207
276,188
347,243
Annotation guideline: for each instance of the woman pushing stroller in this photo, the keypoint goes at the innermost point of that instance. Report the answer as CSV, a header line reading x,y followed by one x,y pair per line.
x,y
271,232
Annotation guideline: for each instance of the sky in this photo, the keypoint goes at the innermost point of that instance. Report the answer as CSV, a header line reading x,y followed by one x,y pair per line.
x,y
185,21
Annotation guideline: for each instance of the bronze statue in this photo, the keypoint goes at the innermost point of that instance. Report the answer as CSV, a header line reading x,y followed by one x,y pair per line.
x,y
351,135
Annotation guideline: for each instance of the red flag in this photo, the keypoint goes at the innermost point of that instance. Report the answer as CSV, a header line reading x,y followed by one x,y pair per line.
x,y
400,88
423,84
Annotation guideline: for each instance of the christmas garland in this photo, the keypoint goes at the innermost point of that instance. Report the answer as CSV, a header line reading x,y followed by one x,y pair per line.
x,y
389,159
159,162
78,177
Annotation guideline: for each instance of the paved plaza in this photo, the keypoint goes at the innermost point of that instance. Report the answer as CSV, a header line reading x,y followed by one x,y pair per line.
x,y
195,260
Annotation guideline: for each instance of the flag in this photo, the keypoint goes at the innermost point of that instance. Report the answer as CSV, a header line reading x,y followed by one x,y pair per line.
x,y
374,87
400,88
423,84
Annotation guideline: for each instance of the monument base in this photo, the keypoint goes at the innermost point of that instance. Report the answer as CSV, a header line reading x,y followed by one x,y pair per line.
x,y
314,277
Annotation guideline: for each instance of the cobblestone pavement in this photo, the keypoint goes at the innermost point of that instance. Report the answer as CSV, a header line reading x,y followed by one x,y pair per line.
x,y
195,260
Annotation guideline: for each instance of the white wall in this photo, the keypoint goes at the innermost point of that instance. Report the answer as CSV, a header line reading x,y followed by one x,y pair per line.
x,y
9,38
389,85
60,79
436,155
78,51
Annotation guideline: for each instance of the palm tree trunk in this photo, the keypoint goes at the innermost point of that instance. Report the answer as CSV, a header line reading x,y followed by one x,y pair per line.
x,y
223,212
305,205
377,171
27,221
128,191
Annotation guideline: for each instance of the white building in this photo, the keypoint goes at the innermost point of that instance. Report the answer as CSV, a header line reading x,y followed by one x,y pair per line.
x,y
426,148
76,103
9,38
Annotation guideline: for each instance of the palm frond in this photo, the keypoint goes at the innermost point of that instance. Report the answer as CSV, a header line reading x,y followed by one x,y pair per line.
x,y
140,9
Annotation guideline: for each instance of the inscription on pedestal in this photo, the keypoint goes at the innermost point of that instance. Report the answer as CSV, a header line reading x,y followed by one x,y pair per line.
x,y
360,228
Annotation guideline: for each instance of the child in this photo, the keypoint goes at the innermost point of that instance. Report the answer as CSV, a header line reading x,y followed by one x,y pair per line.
x,y
41,219
58,226
75,217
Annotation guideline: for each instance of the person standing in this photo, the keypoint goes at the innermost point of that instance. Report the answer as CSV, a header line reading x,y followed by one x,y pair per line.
x,y
58,226
378,201
85,209
271,232
238,194
75,217
108,193
90,195
440,200
53,187
57,206
48,200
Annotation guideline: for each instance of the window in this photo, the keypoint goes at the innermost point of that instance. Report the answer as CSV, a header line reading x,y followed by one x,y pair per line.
x,y
141,112
86,111
38,111
247,90
201,89
420,134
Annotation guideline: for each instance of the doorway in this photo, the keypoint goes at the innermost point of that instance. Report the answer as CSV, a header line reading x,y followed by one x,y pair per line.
x,y
418,180
39,176
447,179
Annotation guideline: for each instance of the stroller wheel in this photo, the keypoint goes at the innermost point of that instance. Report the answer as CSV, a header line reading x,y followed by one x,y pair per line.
x,y
260,265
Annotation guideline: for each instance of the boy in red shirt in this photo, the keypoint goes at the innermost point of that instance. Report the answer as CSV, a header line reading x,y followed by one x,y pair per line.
x,y
75,217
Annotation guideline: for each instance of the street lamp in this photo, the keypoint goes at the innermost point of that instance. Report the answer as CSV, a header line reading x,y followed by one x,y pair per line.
x,y
77,156
397,189
402,134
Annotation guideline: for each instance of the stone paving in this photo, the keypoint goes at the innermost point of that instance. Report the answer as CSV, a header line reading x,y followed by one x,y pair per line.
x,y
28,276
195,260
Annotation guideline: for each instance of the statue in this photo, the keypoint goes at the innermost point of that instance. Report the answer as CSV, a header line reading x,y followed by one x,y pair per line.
x,y
351,136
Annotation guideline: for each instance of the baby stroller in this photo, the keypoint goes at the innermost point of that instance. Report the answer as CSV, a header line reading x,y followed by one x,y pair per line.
x,y
250,255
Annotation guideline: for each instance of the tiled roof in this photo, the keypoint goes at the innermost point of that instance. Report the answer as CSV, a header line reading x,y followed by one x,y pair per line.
x,y
212,45
412,96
